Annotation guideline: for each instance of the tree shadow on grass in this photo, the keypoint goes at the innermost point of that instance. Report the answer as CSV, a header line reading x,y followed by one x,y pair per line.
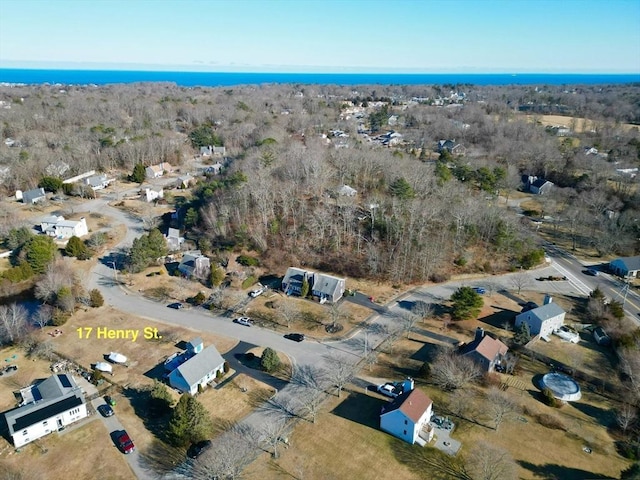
x,y
154,421
361,408
499,319
604,417
551,471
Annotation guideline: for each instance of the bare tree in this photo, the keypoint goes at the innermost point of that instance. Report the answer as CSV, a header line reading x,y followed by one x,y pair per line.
x,y
626,417
464,404
520,280
510,361
408,321
43,315
499,406
339,371
13,323
272,433
288,310
230,455
489,462
422,309
336,314
451,371
58,274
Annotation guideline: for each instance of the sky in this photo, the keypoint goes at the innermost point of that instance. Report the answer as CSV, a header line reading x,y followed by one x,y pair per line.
x,y
421,36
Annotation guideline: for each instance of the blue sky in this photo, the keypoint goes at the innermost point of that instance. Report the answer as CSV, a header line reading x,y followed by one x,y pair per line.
x,y
324,35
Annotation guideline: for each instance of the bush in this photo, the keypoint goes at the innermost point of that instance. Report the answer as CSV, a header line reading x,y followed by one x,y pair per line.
x,y
551,422
270,362
247,261
95,298
549,399
198,299
249,281
532,258
439,277
226,367
59,318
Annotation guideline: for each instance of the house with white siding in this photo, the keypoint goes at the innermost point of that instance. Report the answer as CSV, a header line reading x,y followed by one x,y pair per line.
x,y
542,320
46,407
407,417
58,227
198,371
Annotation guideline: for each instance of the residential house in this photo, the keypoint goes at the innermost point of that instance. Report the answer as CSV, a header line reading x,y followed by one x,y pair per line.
x,y
542,320
484,350
293,280
327,287
198,371
407,417
214,169
60,228
446,145
535,185
194,264
152,193
210,151
156,171
48,223
31,197
347,191
174,240
626,267
185,181
46,407
97,182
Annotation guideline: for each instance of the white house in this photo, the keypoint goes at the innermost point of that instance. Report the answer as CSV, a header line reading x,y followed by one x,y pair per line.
x,y
31,196
327,287
155,171
200,369
46,407
97,182
542,320
407,417
152,193
174,240
60,228
626,266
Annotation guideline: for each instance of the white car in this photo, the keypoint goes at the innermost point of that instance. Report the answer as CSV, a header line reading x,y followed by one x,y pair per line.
x,y
246,321
390,389
567,334
257,292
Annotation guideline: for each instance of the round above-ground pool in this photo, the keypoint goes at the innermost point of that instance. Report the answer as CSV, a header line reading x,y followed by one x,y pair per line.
x,y
563,387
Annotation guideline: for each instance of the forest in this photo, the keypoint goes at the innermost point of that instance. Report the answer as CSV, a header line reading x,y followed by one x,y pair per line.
x,y
422,210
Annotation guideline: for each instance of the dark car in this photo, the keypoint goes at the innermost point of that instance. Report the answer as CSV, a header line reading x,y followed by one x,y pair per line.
x,y
110,401
125,443
529,306
176,305
296,337
198,449
591,271
105,410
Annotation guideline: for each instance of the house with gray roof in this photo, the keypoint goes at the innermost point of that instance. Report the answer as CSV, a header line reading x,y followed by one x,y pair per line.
x,y
328,288
46,407
542,320
31,197
97,182
198,371
626,267
174,240
194,264
293,280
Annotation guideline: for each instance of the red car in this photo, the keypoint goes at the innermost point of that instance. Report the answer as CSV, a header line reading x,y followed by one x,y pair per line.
x,y
125,443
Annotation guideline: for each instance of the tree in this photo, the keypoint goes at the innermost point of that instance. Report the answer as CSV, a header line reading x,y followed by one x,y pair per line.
x,y
523,334
499,406
13,323
56,276
451,371
65,300
402,189
17,237
50,184
466,304
408,321
190,422
95,298
626,417
146,249
270,362
422,309
520,280
234,449
289,311
339,371
43,315
304,289
216,277
160,399
76,248
139,174
631,473
272,432
39,252
489,462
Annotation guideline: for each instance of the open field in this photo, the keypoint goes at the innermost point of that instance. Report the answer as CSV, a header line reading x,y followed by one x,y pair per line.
x,y
85,449
577,124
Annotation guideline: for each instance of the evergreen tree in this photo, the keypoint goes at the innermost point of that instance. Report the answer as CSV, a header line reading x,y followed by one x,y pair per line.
x,y
138,174
160,399
304,289
76,248
216,276
522,335
466,304
39,251
95,298
50,184
270,362
190,422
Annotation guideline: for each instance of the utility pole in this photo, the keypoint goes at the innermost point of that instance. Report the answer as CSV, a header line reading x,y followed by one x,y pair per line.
x,y
115,272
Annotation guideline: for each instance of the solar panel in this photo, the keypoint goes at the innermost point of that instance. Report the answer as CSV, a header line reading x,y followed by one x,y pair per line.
x,y
64,381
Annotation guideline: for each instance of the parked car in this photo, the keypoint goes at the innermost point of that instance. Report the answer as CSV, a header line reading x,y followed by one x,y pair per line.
x,y
125,443
601,337
110,401
257,292
567,334
529,306
246,321
176,305
296,337
390,389
105,410
197,449
591,271
479,290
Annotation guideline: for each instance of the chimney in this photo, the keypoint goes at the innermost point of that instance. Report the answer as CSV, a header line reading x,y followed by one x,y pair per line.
x,y
407,385
479,333
547,299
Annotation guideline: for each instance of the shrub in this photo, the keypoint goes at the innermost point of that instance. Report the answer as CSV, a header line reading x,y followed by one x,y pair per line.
x,y
249,281
198,299
270,362
226,367
549,399
439,277
59,318
247,261
95,298
551,422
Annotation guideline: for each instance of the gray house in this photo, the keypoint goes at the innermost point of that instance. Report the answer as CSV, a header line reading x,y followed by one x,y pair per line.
x,y
542,320
31,197
626,266
293,279
198,371
328,288
194,264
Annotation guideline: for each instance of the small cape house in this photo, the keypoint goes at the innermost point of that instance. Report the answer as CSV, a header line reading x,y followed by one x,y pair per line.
x,y
46,407
626,267
326,288
484,350
31,197
407,417
198,371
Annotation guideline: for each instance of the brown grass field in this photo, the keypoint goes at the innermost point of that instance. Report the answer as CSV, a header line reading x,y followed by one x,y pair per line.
x,y
578,124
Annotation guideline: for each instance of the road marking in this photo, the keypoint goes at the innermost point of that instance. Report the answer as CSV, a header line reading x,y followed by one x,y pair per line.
x,y
581,287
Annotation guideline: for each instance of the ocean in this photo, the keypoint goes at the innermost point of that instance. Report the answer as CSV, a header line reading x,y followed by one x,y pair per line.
x,y
224,79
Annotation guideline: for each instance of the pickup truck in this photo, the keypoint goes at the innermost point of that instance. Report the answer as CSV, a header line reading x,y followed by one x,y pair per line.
x,y
390,389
